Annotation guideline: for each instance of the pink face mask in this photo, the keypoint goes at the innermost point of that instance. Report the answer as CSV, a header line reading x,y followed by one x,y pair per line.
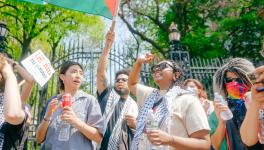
x,y
236,90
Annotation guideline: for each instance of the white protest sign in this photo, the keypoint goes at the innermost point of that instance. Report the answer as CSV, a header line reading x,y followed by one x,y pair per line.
x,y
38,65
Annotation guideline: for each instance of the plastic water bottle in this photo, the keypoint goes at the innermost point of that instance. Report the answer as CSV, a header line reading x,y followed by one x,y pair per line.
x,y
151,124
261,126
64,133
225,115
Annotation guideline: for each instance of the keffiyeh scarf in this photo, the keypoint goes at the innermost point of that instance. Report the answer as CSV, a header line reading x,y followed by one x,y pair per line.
x,y
109,109
162,113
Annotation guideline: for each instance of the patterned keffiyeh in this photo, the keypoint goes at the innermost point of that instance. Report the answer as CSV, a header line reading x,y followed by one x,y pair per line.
x,y
109,109
162,115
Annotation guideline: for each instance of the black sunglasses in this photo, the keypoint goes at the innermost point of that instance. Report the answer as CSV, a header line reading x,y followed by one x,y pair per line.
x,y
228,80
121,79
161,66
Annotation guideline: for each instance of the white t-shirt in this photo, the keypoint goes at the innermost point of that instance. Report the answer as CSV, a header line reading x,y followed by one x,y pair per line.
x,y
186,117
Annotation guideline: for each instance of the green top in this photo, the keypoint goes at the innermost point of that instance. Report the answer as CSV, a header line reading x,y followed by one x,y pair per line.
x,y
213,122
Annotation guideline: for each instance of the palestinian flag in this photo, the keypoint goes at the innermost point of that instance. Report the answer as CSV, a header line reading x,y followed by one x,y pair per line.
x,y
106,8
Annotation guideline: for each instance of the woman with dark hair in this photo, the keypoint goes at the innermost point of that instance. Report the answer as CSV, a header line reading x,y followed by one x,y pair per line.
x,y
232,83
84,116
197,88
182,122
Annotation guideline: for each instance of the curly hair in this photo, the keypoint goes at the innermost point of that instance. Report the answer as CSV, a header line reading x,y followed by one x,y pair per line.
x,y
240,66
122,71
177,69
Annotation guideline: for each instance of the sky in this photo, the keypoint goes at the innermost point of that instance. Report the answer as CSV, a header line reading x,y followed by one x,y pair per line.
x,y
123,35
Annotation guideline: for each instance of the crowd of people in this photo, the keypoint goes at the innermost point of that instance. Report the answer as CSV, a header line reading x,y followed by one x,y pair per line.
x,y
175,114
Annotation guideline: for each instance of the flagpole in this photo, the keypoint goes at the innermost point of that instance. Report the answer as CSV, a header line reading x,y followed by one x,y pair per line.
x,y
115,14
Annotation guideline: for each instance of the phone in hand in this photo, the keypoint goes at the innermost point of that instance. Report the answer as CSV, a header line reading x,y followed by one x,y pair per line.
x,y
260,89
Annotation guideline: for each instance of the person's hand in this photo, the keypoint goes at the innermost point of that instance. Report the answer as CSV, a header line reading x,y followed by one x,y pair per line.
x,y
6,70
257,97
131,121
52,107
158,137
110,36
218,108
2,62
259,72
10,61
69,116
145,58
205,103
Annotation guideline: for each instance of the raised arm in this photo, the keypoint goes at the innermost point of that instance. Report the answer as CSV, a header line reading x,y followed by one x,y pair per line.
x,y
29,80
12,103
250,126
101,76
134,75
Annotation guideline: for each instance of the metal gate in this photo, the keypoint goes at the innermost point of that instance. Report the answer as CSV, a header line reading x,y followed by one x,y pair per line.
x,y
89,59
201,69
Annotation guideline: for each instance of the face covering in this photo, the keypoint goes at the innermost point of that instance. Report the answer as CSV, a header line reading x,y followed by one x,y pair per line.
x,y
236,90
193,90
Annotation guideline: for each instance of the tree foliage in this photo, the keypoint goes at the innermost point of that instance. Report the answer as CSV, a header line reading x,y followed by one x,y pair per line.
x,y
209,28
33,26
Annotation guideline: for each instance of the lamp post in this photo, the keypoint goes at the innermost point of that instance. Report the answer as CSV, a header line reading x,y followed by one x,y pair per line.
x,y
178,51
3,33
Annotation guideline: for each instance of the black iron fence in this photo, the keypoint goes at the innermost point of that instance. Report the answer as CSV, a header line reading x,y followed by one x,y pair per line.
x,y
89,59
201,69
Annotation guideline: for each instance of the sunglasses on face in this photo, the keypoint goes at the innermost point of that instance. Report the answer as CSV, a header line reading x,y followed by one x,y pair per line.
x,y
121,79
161,66
228,80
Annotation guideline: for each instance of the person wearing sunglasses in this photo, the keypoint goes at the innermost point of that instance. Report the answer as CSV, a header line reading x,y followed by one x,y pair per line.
x,y
250,127
232,83
118,108
182,122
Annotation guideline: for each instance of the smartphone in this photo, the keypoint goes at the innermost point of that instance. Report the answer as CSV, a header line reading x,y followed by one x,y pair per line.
x,y
260,89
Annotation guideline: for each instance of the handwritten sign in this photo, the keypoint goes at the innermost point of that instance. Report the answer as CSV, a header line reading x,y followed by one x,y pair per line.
x,y
38,65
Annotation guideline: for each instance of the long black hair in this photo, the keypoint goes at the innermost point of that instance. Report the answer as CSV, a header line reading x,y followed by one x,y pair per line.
x,y
64,67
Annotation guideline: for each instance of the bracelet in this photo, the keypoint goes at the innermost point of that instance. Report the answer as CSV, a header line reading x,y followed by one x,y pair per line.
x,y
172,140
45,119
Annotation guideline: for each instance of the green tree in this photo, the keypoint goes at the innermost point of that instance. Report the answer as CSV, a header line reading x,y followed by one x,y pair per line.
x,y
209,28
44,24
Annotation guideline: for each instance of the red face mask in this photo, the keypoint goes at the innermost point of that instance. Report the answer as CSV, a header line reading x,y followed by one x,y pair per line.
x,y
236,90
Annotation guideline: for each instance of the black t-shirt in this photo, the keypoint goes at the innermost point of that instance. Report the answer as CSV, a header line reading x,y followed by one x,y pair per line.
x,y
113,119
257,146
12,135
